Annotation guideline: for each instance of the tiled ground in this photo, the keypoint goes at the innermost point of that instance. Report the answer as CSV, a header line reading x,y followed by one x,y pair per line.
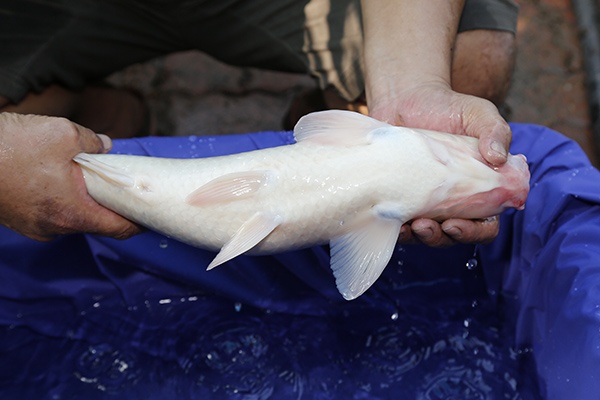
x,y
192,94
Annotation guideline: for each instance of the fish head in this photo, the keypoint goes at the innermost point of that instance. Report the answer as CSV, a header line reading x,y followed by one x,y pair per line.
x,y
511,192
469,199
514,183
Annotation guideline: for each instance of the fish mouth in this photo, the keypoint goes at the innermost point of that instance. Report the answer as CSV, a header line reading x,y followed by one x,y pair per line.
x,y
515,179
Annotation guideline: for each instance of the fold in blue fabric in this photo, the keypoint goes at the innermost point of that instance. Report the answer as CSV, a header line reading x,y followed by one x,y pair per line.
x,y
543,270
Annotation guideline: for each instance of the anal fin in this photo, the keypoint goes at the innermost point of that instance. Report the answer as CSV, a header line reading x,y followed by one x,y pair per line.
x,y
359,257
254,230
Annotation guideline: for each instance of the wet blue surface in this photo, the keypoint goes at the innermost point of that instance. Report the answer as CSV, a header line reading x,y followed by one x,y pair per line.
x,y
85,317
205,348
440,338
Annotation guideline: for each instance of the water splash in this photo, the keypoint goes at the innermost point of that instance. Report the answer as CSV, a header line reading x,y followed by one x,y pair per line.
x,y
201,347
106,368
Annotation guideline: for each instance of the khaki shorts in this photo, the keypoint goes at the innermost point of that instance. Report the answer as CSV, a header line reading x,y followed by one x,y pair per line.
x,y
76,42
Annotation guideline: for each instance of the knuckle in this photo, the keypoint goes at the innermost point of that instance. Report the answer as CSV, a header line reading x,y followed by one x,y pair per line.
x,y
61,129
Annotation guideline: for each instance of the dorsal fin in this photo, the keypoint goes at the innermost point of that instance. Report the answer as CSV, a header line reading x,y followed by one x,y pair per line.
x,y
337,127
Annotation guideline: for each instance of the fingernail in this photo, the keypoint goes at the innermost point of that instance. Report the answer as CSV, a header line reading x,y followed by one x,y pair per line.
x,y
424,233
453,231
498,149
106,142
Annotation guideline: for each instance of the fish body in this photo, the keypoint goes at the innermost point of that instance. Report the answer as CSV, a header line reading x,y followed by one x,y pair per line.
x,y
349,180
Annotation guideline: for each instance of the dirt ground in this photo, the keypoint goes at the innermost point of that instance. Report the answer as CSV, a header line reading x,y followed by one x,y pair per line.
x,y
191,94
548,86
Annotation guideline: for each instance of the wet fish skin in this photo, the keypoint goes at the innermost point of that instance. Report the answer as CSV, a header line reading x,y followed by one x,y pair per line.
x,y
350,181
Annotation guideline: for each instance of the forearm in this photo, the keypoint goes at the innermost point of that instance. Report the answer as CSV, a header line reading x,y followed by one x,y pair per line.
x,y
407,43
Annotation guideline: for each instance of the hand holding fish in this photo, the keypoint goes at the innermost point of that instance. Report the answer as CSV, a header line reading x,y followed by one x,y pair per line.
x,y
459,114
42,193
408,80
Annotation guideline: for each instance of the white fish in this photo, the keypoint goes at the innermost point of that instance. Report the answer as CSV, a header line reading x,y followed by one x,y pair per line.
x,y
350,180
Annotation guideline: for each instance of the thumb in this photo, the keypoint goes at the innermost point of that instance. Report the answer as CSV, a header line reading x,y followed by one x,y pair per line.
x,y
91,142
492,130
106,142
494,142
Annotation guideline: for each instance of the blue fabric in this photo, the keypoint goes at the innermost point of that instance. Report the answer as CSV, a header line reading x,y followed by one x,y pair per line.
x,y
546,265
537,284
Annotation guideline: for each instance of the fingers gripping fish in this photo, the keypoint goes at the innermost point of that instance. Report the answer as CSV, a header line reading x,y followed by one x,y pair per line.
x,y
349,180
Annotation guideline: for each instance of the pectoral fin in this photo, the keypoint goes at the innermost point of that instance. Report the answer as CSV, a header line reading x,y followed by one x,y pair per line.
x,y
106,171
228,188
248,235
359,257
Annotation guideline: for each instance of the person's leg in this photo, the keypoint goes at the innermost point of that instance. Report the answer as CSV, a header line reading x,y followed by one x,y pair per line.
x,y
485,49
483,64
116,112
57,53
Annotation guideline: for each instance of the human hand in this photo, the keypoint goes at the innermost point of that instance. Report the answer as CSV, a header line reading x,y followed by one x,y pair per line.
x,y
42,191
435,106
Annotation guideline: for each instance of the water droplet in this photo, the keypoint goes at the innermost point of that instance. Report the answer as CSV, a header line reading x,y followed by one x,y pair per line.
x,y
394,316
163,244
164,301
471,264
193,138
237,307
467,322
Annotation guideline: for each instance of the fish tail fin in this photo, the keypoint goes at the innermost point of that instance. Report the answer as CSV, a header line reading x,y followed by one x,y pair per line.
x,y
91,163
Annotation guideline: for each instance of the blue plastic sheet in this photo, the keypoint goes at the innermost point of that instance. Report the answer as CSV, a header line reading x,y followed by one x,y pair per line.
x,y
141,318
